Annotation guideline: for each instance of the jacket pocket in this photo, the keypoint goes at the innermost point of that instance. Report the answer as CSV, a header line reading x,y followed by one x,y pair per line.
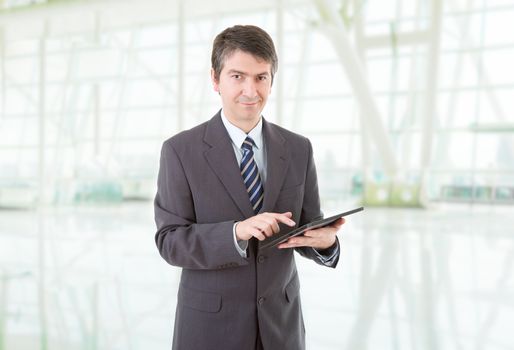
x,y
293,288
199,300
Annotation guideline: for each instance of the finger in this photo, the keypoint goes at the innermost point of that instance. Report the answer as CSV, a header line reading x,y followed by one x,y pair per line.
x,y
273,219
272,223
338,223
286,213
330,229
322,232
284,218
258,234
313,233
263,227
298,242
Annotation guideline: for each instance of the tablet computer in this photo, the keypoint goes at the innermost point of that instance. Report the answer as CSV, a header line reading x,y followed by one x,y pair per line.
x,y
280,238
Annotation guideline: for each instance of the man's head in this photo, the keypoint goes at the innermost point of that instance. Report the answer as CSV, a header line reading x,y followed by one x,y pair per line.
x,y
247,38
244,62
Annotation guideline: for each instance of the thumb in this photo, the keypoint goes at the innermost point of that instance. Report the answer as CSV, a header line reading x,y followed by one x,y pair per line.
x,y
339,222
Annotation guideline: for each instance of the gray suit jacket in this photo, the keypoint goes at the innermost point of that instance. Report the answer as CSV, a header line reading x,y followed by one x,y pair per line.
x,y
225,300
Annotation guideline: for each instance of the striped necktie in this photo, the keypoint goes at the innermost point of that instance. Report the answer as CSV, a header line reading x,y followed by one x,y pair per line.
x,y
250,174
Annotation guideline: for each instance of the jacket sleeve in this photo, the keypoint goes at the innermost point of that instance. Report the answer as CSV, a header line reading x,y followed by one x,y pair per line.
x,y
311,211
180,240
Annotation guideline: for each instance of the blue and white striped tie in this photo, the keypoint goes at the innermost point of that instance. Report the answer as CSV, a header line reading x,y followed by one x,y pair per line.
x,y
250,174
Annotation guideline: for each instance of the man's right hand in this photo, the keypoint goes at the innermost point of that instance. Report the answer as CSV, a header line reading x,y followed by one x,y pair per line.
x,y
262,225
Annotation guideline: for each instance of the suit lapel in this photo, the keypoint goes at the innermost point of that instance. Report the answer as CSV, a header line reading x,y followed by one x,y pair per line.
x,y
278,158
221,158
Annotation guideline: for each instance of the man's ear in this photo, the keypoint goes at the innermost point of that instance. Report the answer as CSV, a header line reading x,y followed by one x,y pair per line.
x,y
215,82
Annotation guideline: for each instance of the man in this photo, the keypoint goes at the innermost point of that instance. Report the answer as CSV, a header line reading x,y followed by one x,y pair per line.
x,y
224,186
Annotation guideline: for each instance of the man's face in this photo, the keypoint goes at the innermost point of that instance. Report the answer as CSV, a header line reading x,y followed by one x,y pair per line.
x,y
244,85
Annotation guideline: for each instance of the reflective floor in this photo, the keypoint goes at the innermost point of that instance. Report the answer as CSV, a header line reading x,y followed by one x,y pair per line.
x,y
91,278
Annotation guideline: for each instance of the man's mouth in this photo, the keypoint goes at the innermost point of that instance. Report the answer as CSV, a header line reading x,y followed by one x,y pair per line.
x,y
249,103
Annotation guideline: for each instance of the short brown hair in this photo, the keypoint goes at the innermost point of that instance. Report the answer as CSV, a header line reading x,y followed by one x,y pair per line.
x,y
247,38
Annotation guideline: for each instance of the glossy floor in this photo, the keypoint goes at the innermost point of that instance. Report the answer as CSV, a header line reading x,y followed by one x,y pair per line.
x,y
91,278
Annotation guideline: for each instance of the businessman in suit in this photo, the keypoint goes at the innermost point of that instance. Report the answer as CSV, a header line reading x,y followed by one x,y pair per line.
x,y
223,187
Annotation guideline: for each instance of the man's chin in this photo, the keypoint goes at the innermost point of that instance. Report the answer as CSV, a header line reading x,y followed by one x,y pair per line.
x,y
251,113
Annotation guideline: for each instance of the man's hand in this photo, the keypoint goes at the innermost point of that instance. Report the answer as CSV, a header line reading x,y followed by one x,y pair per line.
x,y
321,238
262,225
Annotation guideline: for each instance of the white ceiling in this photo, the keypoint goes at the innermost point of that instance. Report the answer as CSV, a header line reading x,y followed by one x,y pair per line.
x,y
83,15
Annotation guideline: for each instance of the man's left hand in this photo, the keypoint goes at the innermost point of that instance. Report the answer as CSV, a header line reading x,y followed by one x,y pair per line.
x,y
321,238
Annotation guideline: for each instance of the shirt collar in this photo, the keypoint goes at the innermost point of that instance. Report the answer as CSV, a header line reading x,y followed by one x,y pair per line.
x,y
238,136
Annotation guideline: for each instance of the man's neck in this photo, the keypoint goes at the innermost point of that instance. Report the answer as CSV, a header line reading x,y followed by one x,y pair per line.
x,y
245,125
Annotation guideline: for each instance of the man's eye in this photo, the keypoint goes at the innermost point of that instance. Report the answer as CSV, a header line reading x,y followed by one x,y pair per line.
x,y
263,78
236,76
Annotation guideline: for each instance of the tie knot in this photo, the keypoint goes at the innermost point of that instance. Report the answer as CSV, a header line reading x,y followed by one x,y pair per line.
x,y
248,144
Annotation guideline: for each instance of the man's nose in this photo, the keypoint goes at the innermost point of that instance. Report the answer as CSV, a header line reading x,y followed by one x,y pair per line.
x,y
250,88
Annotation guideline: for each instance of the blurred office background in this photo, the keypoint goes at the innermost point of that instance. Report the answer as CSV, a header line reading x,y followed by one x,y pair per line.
x,y
409,105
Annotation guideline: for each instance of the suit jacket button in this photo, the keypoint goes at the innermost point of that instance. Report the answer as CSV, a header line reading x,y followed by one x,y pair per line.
x,y
260,259
261,300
